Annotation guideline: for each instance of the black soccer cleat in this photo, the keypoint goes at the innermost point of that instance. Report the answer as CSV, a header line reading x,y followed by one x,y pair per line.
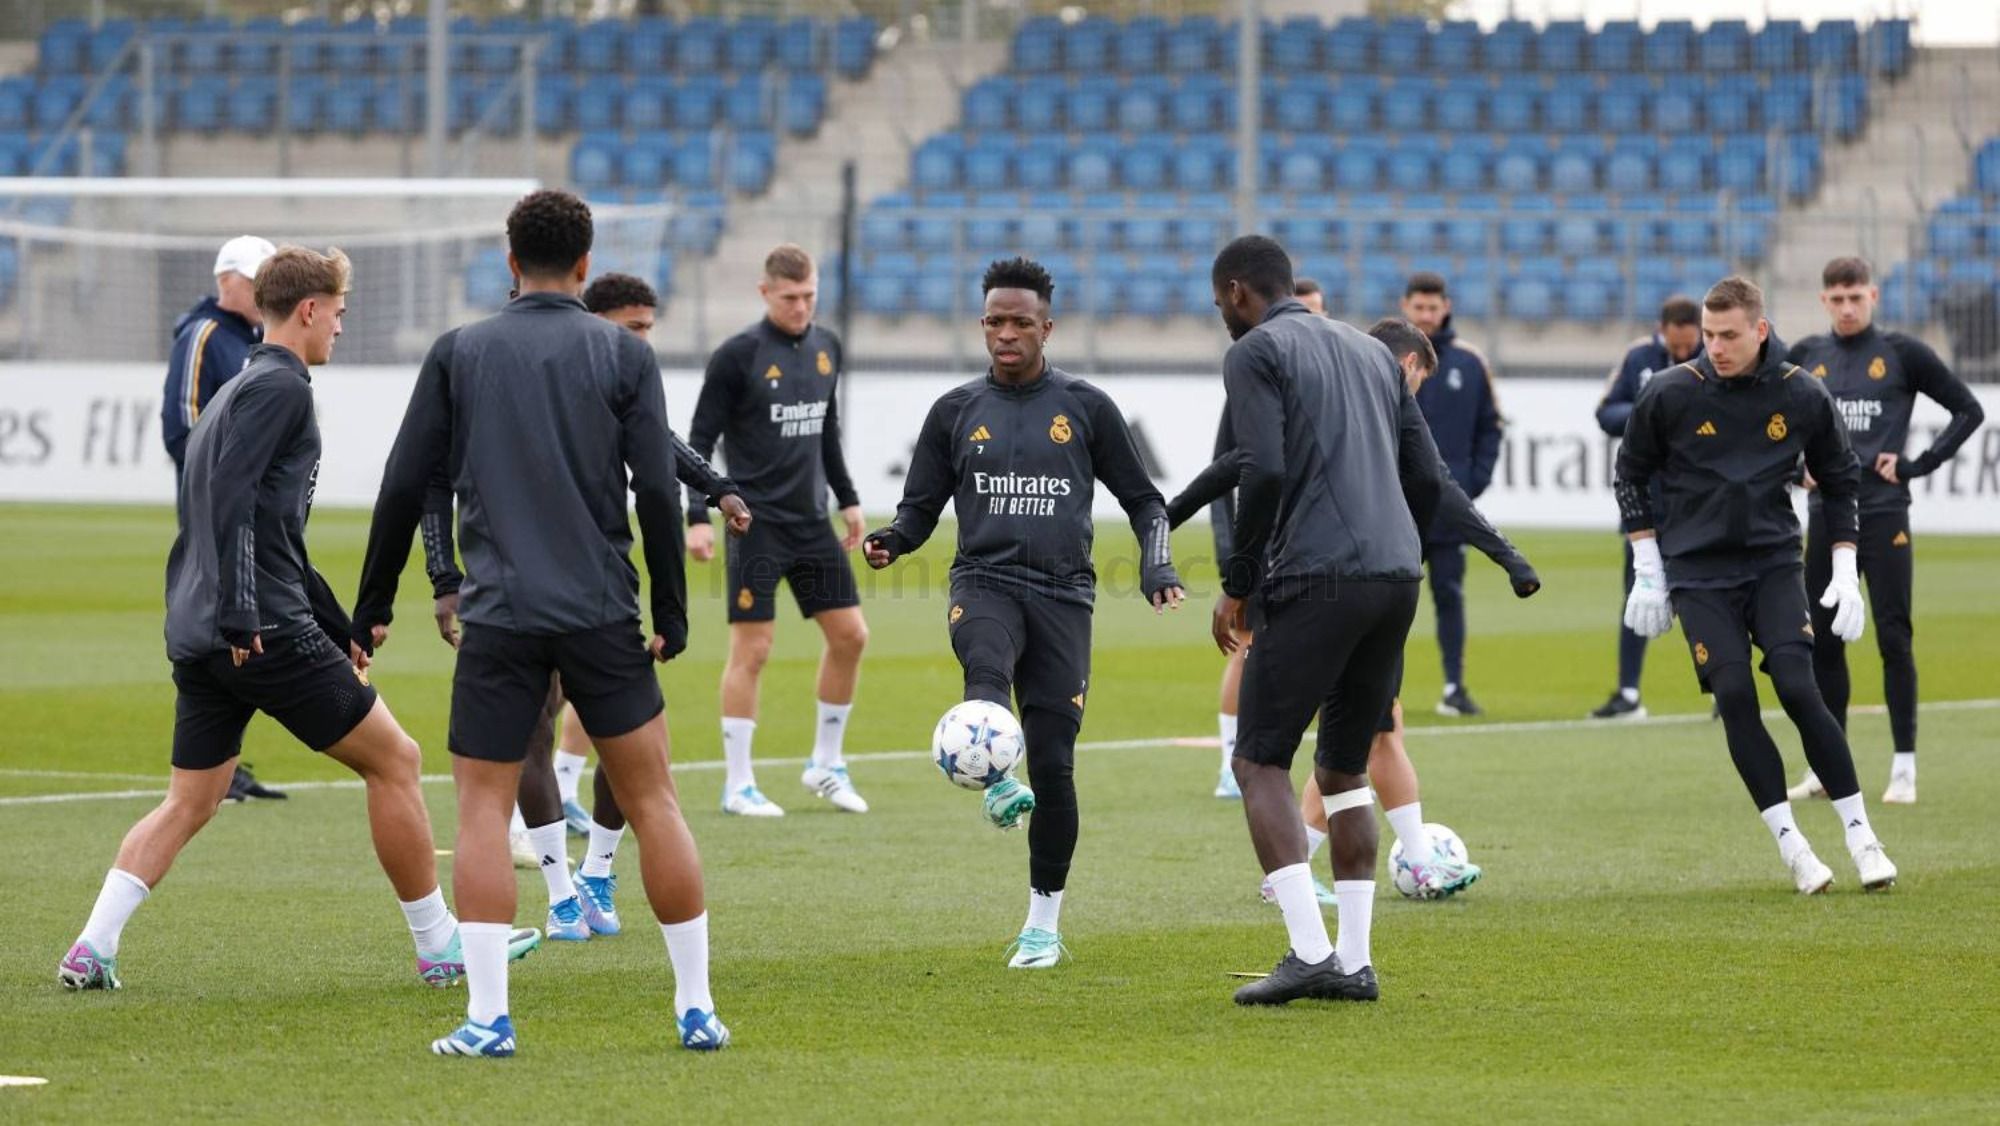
x,y
1294,980
244,784
1618,707
1458,703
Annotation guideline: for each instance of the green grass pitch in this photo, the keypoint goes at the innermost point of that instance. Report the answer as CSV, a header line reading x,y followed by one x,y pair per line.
x,y
1634,953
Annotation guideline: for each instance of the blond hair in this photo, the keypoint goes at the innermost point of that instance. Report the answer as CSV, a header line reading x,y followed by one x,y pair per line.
x,y
1736,292
788,262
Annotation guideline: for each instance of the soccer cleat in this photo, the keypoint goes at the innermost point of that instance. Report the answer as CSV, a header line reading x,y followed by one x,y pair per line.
x,y
1807,789
833,784
84,968
1878,873
1036,949
447,967
524,852
1618,707
488,1041
1458,702
1443,875
1226,787
1007,801
1294,980
1321,892
244,784
577,818
1902,790
1810,875
703,1031
599,912
566,921
750,802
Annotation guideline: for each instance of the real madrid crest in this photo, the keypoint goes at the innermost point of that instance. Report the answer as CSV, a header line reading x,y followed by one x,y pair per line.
x,y
1700,653
957,612
1877,369
1775,429
825,363
744,599
1059,430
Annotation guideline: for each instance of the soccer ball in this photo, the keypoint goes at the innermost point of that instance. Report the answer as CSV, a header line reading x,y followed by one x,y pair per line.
x,y
1443,840
976,744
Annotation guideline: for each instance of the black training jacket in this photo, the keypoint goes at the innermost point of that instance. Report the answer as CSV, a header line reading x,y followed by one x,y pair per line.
x,y
1724,452
769,398
535,415
238,568
1875,378
1019,465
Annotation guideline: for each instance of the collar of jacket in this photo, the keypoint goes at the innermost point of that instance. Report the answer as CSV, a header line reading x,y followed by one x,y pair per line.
x,y
1869,337
789,338
209,306
1022,390
1443,337
1282,306
544,299
283,356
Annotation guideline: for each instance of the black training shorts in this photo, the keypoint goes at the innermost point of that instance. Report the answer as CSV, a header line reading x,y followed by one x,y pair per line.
x,y
304,682
1046,641
1720,625
808,557
501,685
1334,650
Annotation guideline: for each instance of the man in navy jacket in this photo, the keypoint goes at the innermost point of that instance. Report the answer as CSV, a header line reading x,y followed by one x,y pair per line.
x,y
212,341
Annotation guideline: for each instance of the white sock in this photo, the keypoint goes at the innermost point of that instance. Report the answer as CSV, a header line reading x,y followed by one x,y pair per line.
x,y
1784,829
687,948
736,736
1631,695
553,850
1226,724
430,922
828,735
518,824
1044,910
485,946
122,894
603,850
1450,688
1903,765
569,771
1355,907
1854,818
1293,887
1314,839
1407,822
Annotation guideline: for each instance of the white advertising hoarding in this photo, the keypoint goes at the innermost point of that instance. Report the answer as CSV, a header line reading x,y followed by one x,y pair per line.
x,y
86,432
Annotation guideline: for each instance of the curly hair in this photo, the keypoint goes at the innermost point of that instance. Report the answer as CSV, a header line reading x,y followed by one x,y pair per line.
x,y
618,291
1258,262
1019,273
549,232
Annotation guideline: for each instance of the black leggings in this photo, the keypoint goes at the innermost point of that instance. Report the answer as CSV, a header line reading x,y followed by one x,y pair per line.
x,y
988,655
1888,568
1750,744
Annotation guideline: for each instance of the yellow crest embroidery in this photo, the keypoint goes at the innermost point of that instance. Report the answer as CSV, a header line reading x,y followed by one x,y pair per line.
x,y
1700,653
1775,429
1819,370
825,364
744,599
957,612
1706,430
981,434
773,374
1902,540
1877,369
1059,429
1807,628
1077,700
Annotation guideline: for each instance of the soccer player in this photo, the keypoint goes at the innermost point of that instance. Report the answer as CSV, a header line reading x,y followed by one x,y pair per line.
x,y
1018,454
769,397
1310,295
1676,341
1464,418
252,627
1875,378
1723,435
1338,474
536,414
583,902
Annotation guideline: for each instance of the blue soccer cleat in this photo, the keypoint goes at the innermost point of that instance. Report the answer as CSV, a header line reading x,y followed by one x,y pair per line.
x,y
703,1031
472,1039
577,818
566,921
599,912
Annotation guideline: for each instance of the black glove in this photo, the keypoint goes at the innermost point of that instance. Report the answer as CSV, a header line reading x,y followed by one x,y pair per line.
x,y
888,539
1525,581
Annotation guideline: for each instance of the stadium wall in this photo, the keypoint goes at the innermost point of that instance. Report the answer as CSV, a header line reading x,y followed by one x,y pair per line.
x,y
90,433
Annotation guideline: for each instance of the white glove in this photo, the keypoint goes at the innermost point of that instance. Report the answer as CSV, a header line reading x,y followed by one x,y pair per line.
x,y
1648,611
1843,596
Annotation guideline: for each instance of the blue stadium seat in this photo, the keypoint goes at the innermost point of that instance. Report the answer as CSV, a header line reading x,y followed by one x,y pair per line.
x,y
1594,290
1955,229
1561,46
1780,46
646,162
1412,165
1676,109
17,100
884,227
1038,106
1138,47
935,228
253,47
1038,45
1889,52
1293,106
115,107
1835,45
748,103
555,103
1574,166
1142,106
57,98
1148,229
1468,229
1524,227
1670,47
1203,225
554,43
1360,219
1621,110
1510,46
198,104
935,166
697,103
1192,46
1517,169
1530,291
1302,170
1415,227
1406,108
799,46
1748,228
885,294
1566,109
1739,168
1350,108
987,104
1350,45
63,47
597,47
1459,106
804,105
1986,168
1801,154
108,42
1043,229
695,163
1092,167
1087,46
1454,47
1849,107
1308,226
1199,166
1150,290
1089,106
1294,47
1399,45
1197,104
351,51
1039,167
1725,47
487,279
594,161
204,51
253,105
1615,47
1654,280
749,43
1581,228
1726,103
306,46
1357,167
1684,168
1785,106
698,45
988,228
599,102
1690,227
989,168
648,104
1463,167
1513,108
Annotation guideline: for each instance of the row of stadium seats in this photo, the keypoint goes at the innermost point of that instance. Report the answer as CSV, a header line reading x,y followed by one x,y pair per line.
x,y
22,153
1677,104
1148,45
1166,285
644,46
742,162
1962,238
10,270
487,279
1914,292
1576,226
1417,163
396,105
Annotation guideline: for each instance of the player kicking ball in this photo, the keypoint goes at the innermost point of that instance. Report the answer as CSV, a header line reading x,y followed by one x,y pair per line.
x,y
252,627
1723,435
1018,454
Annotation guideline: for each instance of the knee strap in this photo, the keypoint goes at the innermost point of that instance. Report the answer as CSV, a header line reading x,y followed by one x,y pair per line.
x,y
1356,798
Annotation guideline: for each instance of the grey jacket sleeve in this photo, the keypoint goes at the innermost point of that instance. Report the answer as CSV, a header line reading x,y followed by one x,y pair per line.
x,y
265,414
646,447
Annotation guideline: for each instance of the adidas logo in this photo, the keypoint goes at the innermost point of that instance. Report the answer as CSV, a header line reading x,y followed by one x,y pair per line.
x,y
1854,824
982,435
548,860
1784,832
1902,540
1706,430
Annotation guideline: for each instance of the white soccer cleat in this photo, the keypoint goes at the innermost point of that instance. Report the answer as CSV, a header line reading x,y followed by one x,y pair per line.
x,y
1878,872
1902,790
1807,789
1811,876
749,801
524,852
833,784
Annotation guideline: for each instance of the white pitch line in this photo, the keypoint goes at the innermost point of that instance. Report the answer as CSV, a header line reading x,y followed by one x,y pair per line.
x,y
22,1081
1419,733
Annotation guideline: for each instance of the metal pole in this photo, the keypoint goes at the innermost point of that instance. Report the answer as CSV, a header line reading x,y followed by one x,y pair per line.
x,y
437,85
1249,104
149,129
843,307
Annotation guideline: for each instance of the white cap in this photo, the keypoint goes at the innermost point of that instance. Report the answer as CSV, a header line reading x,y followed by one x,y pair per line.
x,y
242,255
